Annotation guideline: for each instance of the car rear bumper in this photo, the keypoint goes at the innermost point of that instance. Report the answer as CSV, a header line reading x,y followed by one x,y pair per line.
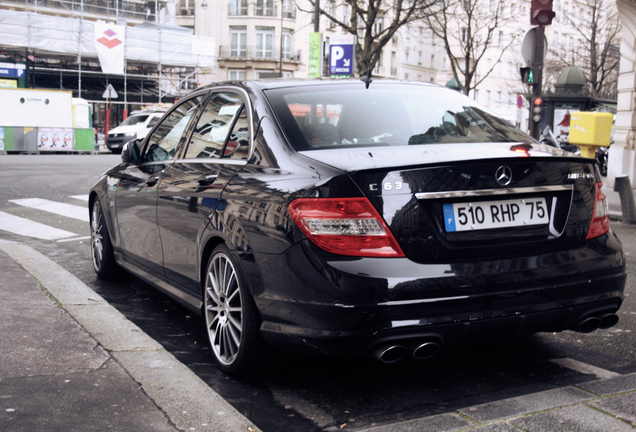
x,y
337,305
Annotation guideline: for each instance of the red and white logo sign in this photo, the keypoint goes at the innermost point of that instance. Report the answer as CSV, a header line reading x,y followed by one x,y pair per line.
x,y
109,39
109,44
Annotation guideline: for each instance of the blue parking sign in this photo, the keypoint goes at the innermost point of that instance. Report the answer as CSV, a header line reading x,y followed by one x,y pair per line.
x,y
341,57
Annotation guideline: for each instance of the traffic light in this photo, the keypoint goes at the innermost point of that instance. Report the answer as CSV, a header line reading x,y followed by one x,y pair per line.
x,y
541,12
537,110
527,77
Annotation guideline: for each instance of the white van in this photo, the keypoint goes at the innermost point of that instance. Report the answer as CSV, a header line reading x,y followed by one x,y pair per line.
x,y
136,126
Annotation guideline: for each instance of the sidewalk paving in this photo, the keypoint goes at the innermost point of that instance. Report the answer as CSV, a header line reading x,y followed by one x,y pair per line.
x,y
71,362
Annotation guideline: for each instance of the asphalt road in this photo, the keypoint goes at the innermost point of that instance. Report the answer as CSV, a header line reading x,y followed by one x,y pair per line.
x,y
307,393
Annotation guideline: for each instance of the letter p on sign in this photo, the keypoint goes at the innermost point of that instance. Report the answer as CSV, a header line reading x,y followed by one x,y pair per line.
x,y
337,52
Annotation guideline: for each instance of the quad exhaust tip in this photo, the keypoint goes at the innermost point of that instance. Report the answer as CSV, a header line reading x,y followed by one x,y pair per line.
x,y
395,353
430,348
592,323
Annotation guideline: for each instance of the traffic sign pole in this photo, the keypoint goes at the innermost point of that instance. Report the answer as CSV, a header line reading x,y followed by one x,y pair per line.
x,y
537,69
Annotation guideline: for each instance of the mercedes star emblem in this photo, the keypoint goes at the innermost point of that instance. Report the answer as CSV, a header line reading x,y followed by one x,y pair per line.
x,y
503,175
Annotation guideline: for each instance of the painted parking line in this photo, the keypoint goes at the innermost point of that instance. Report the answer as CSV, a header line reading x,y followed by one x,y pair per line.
x,y
67,210
29,228
585,368
79,197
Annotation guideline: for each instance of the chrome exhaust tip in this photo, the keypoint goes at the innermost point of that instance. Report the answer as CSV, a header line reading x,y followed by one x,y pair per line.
x,y
426,350
391,354
589,324
609,320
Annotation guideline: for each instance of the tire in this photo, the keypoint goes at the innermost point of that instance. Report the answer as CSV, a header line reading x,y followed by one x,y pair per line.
x,y
231,318
101,247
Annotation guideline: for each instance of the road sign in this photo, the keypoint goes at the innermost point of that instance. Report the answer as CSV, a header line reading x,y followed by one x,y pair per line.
x,y
341,55
519,101
527,46
110,92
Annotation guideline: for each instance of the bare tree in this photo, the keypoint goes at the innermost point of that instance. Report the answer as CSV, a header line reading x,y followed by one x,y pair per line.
x,y
597,53
373,22
469,30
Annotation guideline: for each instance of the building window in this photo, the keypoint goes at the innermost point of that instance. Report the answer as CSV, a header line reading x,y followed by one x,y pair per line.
x,y
238,7
393,63
264,42
238,42
259,74
236,75
289,9
378,64
265,7
329,9
378,26
287,44
345,13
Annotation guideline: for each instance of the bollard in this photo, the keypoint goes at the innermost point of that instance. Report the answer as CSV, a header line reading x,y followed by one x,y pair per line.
x,y
623,186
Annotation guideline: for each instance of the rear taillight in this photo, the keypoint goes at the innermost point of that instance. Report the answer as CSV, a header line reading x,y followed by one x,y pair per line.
x,y
600,216
345,226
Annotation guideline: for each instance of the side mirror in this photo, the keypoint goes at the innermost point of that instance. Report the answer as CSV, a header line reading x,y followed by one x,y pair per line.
x,y
131,152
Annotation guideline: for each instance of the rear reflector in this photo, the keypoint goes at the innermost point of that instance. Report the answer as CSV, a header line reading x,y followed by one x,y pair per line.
x,y
600,216
345,226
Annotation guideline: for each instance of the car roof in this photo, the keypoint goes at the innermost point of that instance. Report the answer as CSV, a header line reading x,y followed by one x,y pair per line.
x,y
275,83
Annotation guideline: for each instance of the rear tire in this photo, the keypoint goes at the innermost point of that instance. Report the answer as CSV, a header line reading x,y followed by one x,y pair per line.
x,y
231,317
101,247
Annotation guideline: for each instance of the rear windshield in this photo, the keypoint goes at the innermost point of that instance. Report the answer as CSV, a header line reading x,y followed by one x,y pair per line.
x,y
349,115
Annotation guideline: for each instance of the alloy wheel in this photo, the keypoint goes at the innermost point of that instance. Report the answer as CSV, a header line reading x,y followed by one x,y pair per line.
x,y
223,309
97,239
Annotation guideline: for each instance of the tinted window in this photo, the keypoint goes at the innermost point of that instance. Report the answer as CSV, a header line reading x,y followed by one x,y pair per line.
x,y
222,129
325,116
162,143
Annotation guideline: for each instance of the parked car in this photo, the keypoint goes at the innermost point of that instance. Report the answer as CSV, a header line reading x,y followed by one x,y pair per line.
x,y
136,126
328,217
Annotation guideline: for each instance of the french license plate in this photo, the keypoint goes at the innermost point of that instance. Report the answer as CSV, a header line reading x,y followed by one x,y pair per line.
x,y
484,215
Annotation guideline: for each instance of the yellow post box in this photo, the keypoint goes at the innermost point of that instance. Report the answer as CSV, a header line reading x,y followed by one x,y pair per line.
x,y
590,130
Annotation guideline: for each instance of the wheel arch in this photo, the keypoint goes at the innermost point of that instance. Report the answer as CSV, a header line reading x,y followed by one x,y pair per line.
x,y
206,253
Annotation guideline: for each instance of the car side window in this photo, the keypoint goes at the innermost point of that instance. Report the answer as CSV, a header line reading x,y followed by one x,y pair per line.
x,y
222,130
163,142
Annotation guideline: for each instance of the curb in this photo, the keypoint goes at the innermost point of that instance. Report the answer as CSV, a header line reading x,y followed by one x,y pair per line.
x,y
185,399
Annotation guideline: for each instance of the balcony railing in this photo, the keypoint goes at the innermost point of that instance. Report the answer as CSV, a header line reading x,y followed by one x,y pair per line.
x,y
262,11
121,9
227,52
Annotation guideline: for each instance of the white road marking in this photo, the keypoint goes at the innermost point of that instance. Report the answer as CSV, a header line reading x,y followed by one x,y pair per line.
x,y
585,368
79,197
74,239
29,228
67,210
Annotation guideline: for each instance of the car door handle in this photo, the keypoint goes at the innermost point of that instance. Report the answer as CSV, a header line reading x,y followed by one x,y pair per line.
x,y
206,180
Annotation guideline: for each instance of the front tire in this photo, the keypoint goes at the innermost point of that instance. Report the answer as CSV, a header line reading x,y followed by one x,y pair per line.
x,y
231,317
101,247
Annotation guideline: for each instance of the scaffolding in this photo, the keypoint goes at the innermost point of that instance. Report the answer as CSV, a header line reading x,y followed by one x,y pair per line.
x,y
162,61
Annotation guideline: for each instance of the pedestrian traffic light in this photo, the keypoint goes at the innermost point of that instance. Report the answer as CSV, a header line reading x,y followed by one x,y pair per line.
x,y
527,77
541,12
537,110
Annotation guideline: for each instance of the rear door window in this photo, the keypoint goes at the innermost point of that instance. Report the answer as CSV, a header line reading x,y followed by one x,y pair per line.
x,y
222,130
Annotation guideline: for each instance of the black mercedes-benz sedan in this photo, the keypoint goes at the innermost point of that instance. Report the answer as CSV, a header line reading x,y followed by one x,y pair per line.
x,y
350,217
